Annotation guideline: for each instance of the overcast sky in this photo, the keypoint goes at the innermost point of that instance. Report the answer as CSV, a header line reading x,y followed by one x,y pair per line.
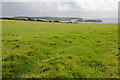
x,y
81,8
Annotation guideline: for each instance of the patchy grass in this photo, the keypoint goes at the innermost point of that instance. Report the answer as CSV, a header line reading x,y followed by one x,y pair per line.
x,y
59,50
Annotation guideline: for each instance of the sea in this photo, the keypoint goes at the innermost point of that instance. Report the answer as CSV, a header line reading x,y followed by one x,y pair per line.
x,y
110,20
106,20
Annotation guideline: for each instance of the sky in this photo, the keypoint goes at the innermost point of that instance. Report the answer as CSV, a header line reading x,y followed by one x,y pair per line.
x,y
66,8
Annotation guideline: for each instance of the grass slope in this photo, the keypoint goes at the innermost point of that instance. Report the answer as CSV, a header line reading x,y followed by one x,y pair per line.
x,y
59,50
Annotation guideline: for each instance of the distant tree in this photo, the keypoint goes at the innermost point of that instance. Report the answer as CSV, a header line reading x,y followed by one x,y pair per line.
x,y
31,19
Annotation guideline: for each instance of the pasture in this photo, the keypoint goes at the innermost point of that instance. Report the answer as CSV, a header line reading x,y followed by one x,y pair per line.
x,y
59,50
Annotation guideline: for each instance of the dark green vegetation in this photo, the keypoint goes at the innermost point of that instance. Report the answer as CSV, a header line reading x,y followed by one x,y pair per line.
x,y
59,50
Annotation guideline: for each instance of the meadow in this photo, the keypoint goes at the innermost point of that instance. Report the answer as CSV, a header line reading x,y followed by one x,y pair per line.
x,y
59,50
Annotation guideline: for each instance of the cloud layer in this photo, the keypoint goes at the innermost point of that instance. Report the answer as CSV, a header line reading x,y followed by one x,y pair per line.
x,y
88,8
94,5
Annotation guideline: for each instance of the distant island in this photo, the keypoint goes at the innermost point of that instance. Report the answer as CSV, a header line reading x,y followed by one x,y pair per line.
x,y
54,19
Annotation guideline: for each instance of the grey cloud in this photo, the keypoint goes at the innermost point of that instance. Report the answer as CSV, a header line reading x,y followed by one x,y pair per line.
x,y
51,9
13,9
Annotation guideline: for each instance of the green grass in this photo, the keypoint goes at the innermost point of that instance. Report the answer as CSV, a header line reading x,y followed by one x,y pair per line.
x,y
59,50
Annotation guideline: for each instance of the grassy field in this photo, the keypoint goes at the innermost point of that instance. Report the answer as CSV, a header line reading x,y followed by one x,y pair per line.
x,y
59,50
